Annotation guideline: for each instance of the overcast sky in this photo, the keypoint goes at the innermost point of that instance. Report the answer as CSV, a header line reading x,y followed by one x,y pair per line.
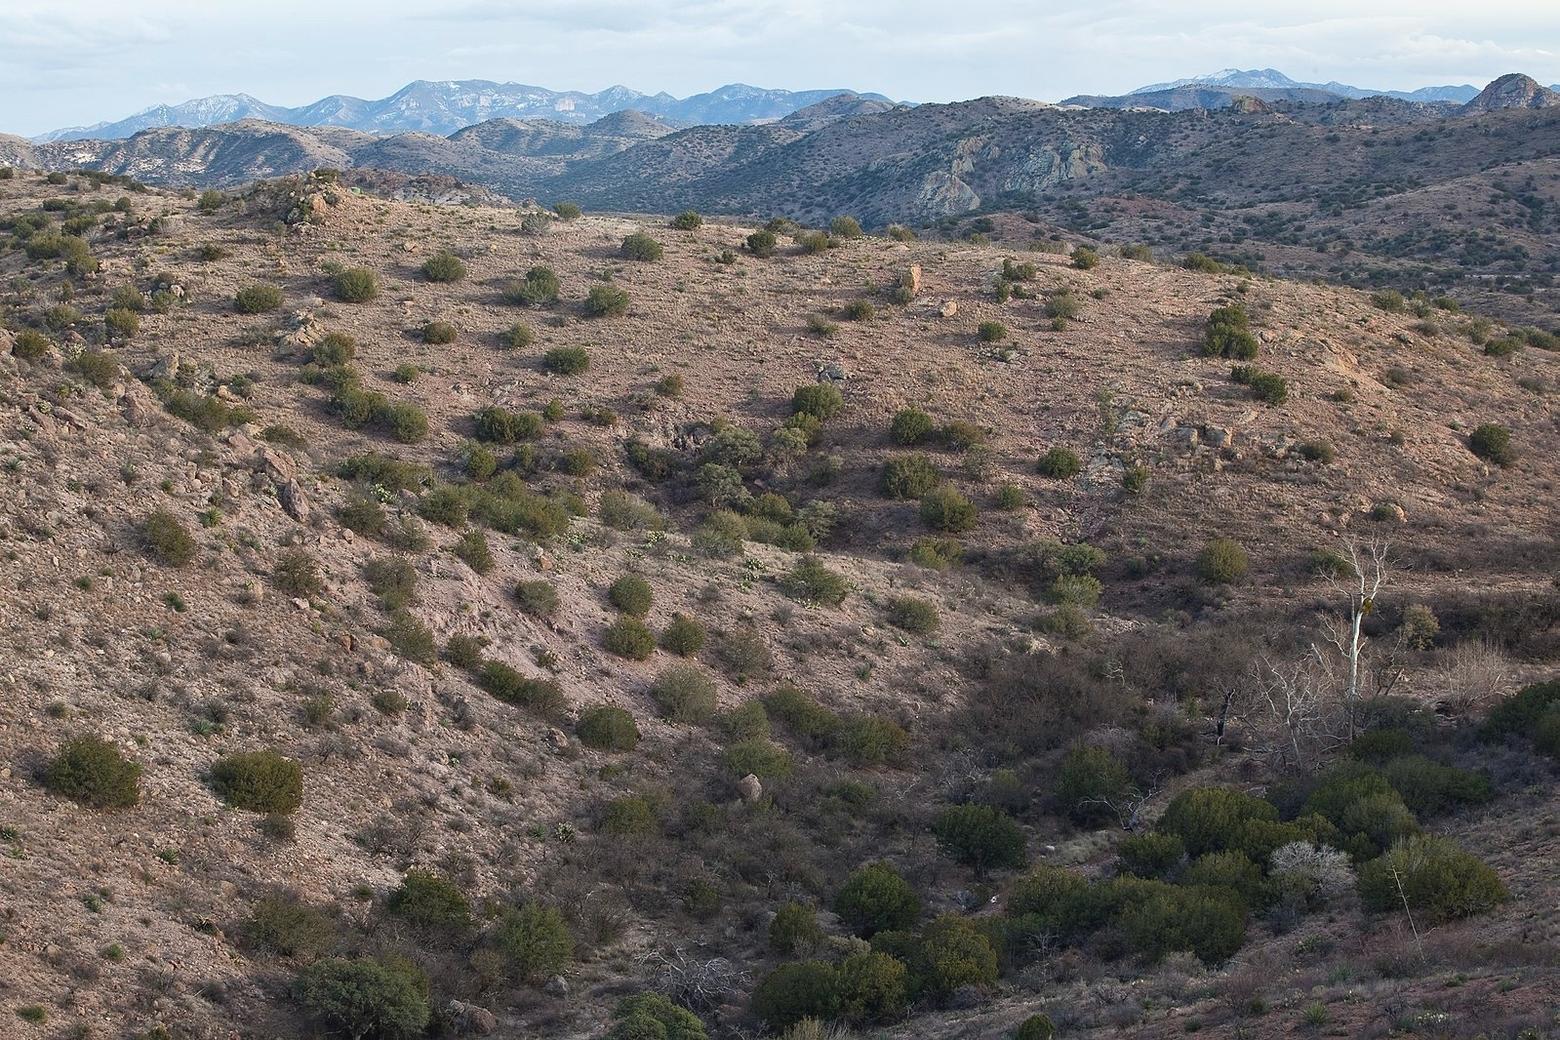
x,y
72,62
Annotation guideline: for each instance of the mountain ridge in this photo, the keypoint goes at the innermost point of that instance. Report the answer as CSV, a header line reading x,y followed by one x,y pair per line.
x,y
445,106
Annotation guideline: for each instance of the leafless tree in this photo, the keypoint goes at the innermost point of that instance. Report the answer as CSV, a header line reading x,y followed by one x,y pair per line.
x,y
1290,707
699,983
1361,582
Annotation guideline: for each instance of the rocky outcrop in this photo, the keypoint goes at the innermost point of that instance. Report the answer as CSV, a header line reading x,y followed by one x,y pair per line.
x,y
1512,91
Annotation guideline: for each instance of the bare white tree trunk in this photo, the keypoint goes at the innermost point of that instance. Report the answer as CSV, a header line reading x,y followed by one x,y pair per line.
x,y
1362,584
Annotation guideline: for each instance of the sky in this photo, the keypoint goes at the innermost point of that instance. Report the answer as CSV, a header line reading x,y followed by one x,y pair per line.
x,y
76,62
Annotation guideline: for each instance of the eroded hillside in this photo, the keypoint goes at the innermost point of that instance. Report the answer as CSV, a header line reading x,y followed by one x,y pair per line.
x,y
926,535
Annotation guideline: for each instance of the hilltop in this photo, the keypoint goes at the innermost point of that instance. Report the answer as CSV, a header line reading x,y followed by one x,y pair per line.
x,y
959,557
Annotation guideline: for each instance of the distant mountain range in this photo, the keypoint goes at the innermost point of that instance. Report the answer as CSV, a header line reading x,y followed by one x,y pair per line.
x,y
1217,89
444,106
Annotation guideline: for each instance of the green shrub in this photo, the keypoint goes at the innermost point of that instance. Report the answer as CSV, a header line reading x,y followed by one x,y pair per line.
x,y
444,266
650,1016
945,509
121,322
259,781
366,999
1085,259
870,740
257,299
683,636
961,436
955,953
1039,1027
631,594
498,425
873,988
687,220
30,345
1059,902
1518,714
622,511
1227,334
684,694
797,991
909,476
912,614
911,426
1091,785
166,540
1439,881
630,816
539,288
282,924
845,227
1222,561
1492,442
859,310
356,285
517,337
426,900
438,333
640,246
297,574
1134,479
876,899
810,581
762,757
1060,464
98,367
604,301
1368,812
94,773
566,361
334,348
629,638
1232,870
472,547
794,929
800,713
813,242
534,941
542,696
980,836
822,401
607,728
536,598
762,244
1152,855
1429,788
1205,817
568,210
1207,922
992,332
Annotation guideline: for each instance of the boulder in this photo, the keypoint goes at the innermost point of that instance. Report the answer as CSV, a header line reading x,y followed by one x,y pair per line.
x,y
749,788
911,279
949,308
294,502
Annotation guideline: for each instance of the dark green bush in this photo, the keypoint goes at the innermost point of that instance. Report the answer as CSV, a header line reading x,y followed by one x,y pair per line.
x,y
284,925
688,220
1039,1027
517,337
1092,785
1210,923
810,581
297,573
797,991
980,836
1060,464
913,614
845,227
684,694
539,288
472,547
1492,442
822,401
947,510
762,757
1205,817
439,333
607,728
30,345
631,594
1439,881
909,476
604,301
1520,714
1429,788
873,988
259,781
954,953
762,243
542,696
537,598
1152,855
794,929
650,1016
534,941
500,426
911,426
444,266
257,299
876,899
1222,561
640,246
93,772
166,540
683,636
628,637
427,901
1228,334
356,285
992,332
121,322
366,999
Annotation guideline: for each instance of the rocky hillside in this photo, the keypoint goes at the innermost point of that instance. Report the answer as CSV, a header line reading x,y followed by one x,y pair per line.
x,y
1513,91
1476,187
434,620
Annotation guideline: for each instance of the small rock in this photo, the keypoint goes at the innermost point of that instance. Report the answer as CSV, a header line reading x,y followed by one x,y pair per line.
x,y
556,986
557,738
293,500
911,279
949,308
750,788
